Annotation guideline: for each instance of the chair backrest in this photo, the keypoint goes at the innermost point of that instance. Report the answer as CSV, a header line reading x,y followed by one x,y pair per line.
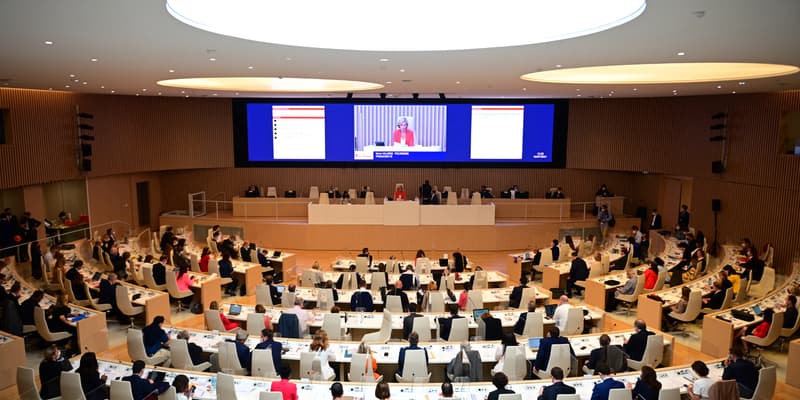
x,y
179,354
574,321
307,367
194,262
262,364
547,257
270,396
741,295
436,302
225,387
775,328
287,299
394,304
136,348
724,390
213,266
459,330
308,278
765,285
670,394
574,396
26,384
370,198
415,366
71,386
465,193
41,325
605,262
510,396
255,323
528,294
149,280
325,299
662,278
768,256
229,358
653,351
272,191
262,295
514,365
213,321
332,324
476,199
377,280
323,198
121,390
693,306
481,280
168,394
620,394
452,200
422,325
313,192
595,269
172,283
728,299
534,325
560,357
358,369
449,283
474,300
362,265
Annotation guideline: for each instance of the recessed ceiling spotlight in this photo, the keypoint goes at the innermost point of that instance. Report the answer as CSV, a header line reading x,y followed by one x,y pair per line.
x,y
681,53
102,86
49,88
94,60
84,82
579,95
236,94
159,93
66,86
71,75
171,71
674,90
458,82
402,70
250,67
577,90
635,89
137,94
612,92
288,58
558,65
719,86
214,94
384,60
144,90
742,83
76,80
48,42
388,82
524,89
733,92
187,96
212,59
113,91
183,91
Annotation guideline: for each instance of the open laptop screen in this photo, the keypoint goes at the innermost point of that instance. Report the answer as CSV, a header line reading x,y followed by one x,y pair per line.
x,y
476,313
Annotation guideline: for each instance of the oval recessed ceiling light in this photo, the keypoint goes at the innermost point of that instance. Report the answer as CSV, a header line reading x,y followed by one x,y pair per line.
x,y
503,23
270,84
661,73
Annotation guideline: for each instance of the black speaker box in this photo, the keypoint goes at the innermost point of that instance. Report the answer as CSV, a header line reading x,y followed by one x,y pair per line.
x,y
717,167
86,165
716,205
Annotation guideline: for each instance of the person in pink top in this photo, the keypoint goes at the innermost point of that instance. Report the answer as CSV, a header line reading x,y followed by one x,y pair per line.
x,y
183,279
288,389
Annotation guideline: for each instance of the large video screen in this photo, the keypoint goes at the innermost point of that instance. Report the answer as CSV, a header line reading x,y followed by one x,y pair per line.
x,y
289,132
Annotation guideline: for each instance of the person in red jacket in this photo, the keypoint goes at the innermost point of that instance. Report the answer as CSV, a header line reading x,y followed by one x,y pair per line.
x,y
651,276
288,389
402,135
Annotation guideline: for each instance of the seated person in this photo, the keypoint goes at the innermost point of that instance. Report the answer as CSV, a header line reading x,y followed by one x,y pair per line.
x,y
516,294
558,387
408,320
397,290
789,313
287,388
698,390
252,191
361,299
413,344
715,298
156,340
500,381
630,286
494,329
742,370
142,388
445,324
228,324
635,345
613,356
519,327
545,346
601,390
760,330
403,136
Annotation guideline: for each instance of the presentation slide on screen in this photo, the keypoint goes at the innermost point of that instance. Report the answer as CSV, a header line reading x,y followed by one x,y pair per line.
x,y
376,133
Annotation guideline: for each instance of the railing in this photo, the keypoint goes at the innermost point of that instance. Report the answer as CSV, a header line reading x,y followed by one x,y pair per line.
x,y
22,248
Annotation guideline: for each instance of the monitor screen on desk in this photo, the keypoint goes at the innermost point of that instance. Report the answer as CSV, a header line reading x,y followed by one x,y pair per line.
x,y
533,343
277,253
280,288
458,132
443,262
550,309
757,310
476,313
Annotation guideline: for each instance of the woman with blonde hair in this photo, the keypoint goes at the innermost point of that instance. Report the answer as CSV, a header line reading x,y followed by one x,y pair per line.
x,y
320,345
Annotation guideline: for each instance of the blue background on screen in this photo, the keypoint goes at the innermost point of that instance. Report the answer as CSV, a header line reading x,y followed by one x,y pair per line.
x,y
339,137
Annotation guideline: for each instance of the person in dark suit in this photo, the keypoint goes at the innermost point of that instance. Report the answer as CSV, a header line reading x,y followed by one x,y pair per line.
x,y
500,381
789,314
92,383
408,320
75,271
635,345
655,221
141,387
351,268
578,271
263,260
715,299
361,299
754,269
425,192
167,238
413,344
537,256
558,387
742,370
519,327
545,346
365,253
50,372
268,342
555,250
683,218
28,306
195,351
494,329
397,290
600,391
273,290
108,292
648,386
244,252
446,323
459,261
516,293
160,271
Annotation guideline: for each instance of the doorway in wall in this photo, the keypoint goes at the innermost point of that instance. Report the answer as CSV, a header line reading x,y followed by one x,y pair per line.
x,y
143,202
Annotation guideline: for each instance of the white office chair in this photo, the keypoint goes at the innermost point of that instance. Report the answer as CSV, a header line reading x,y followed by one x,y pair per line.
x,y
229,360
515,366
44,331
370,199
765,285
325,299
174,292
262,295
474,300
534,325
669,394
359,371
630,299
169,394
136,350
394,304
384,333
214,322
547,259
510,396
362,265
574,322
464,194
476,199
774,333
452,200
150,281
262,364
481,280
310,366
422,325
121,390
288,298
726,303
73,299
181,359
313,192
323,198
653,353
436,302
308,278
662,276
352,193
528,294
349,281
449,283
255,323
125,306
71,386
272,191
213,267
767,256
26,384
765,389
270,396
787,333
332,324
447,188
415,369
226,389
559,357
568,397
459,331
742,294
620,394
693,308
377,280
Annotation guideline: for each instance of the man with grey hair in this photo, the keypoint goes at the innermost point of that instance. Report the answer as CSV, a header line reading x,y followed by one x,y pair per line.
x,y
302,315
562,311
635,345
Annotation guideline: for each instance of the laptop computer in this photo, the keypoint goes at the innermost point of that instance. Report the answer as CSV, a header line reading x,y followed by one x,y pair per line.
x,y
476,313
757,310
277,253
236,309
533,343
97,276
443,262
280,288
156,376
550,309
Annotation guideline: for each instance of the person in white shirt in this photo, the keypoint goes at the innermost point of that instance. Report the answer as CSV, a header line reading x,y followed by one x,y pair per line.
x,y
50,258
560,316
321,346
302,315
698,390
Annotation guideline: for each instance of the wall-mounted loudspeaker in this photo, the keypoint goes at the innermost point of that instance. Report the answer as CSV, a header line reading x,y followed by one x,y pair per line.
x,y
717,167
716,205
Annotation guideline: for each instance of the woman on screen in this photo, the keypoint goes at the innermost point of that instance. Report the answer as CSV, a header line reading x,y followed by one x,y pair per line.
x,y
402,135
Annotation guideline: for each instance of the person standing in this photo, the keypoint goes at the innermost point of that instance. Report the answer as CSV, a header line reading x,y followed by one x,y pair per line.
x,y
604,217
683,218
426,192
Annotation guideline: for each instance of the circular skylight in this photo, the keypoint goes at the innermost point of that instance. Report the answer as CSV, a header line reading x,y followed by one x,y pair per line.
x,y
409,25
661,73
270,84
